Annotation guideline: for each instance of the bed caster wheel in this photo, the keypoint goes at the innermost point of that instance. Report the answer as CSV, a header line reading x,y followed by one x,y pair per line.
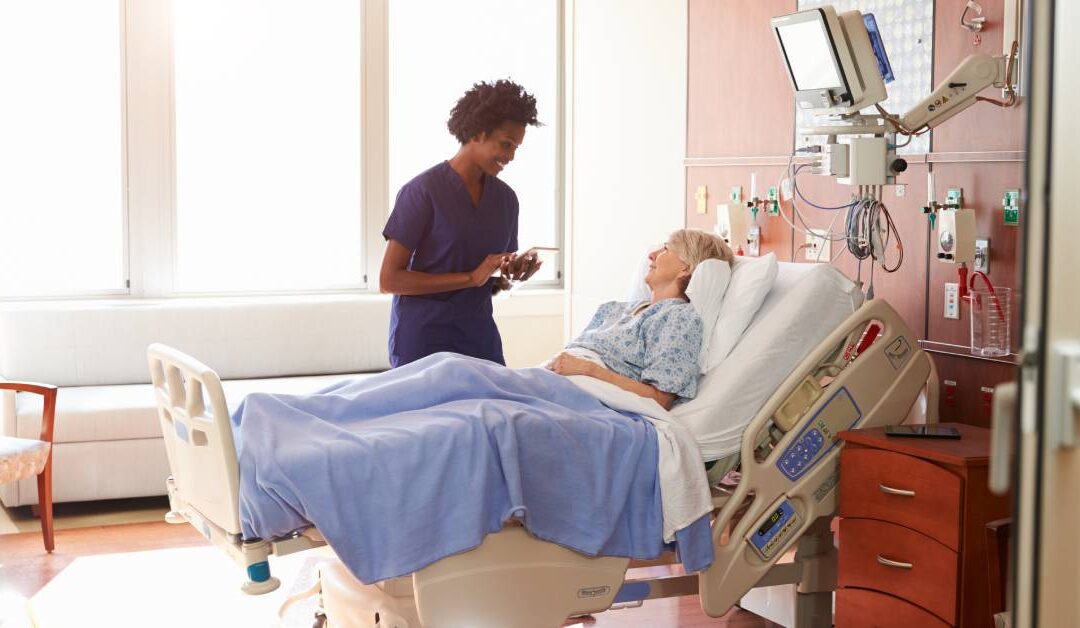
x,y
175,517
258,588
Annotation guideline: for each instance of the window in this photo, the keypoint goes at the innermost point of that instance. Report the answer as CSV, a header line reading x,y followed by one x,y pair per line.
x,y
155,148
437,51
61,163
267,115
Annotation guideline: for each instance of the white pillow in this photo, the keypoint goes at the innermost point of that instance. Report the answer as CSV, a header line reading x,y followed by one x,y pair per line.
x,y
706,293
751,280
638,290
780,336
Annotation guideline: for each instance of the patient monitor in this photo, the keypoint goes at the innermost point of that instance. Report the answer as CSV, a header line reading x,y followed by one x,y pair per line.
x,y
830,60
838,68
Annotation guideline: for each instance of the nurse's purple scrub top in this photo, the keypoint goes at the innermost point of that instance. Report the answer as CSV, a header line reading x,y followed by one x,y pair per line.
x,y
435,218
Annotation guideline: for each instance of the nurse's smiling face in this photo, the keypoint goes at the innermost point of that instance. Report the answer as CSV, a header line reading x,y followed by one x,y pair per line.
x,y
493,151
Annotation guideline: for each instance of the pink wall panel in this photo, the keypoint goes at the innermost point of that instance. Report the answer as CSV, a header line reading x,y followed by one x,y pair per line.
x,y
739,92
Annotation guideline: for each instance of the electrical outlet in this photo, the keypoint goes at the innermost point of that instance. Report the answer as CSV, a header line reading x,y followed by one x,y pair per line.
x,y
817,246
701,196
952,301
901,190
753,242
982,256
736,195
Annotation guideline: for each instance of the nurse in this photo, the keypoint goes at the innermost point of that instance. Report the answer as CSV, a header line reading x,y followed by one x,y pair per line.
x,y
452,227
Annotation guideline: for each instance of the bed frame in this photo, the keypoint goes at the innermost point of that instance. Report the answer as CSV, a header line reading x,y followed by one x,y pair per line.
x,y
867,373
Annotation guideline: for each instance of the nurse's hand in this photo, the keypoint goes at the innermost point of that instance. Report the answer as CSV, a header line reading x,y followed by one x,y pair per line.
x,y
487,268
521,267
567,364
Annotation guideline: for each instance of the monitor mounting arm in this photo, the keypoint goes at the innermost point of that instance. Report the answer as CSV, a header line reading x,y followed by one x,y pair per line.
x,y
959,91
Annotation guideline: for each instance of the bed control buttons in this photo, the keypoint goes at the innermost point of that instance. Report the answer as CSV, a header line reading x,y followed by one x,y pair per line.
x,y
802,453
817,437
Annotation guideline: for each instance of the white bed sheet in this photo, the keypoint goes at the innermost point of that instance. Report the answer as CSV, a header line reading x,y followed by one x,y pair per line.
x,y
806,304
684,487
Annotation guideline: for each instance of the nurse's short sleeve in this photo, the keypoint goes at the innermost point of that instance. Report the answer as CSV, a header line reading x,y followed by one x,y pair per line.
x,y
513,244
672,347
410,221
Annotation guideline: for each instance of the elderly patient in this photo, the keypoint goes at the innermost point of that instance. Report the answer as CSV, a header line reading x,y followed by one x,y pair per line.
x,y
650,348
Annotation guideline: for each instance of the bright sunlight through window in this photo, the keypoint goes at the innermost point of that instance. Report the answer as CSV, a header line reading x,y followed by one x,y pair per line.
x,y
438,50
267,145
61,177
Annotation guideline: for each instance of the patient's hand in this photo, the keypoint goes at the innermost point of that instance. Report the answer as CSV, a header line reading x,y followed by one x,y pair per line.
x,y
567,364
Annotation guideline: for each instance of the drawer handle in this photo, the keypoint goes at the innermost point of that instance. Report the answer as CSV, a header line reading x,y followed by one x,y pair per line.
x,y
893,563
896,491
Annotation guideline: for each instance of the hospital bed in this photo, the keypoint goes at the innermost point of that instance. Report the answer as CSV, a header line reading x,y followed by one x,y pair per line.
x,y
867,371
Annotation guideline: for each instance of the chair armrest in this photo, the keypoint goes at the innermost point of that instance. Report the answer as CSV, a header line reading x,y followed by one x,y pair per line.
x,y
47,391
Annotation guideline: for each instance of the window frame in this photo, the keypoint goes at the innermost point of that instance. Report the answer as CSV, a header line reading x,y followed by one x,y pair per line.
x,y
148,150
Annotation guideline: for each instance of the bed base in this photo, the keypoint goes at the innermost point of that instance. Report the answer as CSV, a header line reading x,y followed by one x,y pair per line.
x,y
867,373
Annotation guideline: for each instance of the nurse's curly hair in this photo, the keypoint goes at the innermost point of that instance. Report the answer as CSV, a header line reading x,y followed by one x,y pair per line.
x,y
487,106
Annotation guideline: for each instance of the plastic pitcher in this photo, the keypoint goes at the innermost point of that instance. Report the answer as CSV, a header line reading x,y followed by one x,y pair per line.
x,y
990,322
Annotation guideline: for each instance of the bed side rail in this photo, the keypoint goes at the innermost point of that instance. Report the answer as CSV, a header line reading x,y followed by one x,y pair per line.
x,y
866,373
198,438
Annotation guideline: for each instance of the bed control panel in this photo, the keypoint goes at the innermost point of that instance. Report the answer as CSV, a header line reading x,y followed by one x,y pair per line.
x,y
772,532
818,436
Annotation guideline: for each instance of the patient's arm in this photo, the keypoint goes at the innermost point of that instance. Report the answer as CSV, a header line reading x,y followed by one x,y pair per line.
x,y
567,364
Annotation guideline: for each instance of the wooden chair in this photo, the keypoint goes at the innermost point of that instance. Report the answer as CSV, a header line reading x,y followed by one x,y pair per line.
x,y
21,458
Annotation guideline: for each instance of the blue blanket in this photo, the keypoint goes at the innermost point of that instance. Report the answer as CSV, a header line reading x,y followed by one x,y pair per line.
x,y
415,464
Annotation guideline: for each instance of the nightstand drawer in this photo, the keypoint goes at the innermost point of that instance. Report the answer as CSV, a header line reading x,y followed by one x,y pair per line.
x,y
859,608
888,486
893,559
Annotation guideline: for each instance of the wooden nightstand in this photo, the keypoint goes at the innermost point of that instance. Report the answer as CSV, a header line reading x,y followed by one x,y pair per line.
x,y
912,530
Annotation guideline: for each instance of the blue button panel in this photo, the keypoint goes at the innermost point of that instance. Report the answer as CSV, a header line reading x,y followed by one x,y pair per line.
x,y
819,434
801,453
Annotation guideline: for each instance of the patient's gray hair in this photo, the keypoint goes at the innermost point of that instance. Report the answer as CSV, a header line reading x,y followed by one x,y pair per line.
x,y
694,246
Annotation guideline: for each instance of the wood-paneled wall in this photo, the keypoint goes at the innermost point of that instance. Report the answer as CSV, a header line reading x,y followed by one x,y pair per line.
x,y
740,120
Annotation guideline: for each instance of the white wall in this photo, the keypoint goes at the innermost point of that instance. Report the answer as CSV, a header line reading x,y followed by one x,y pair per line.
x,y
531,325
626,141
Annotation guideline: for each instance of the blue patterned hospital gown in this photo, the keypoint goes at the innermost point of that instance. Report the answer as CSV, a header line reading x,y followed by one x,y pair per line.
x,y
659,346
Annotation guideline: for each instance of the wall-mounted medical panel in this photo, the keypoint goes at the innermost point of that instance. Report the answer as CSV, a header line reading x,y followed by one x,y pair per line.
x,y
904,289
775,235
984,184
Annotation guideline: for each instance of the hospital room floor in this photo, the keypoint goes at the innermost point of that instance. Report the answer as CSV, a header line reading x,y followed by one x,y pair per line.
x,y
102,545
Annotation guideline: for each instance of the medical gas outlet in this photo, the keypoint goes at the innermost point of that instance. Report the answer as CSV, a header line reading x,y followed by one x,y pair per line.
x,y
731,225
956,235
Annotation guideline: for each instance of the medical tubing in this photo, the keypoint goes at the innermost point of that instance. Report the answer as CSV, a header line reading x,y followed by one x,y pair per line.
x,y
806,229
869,227
795,185
989,288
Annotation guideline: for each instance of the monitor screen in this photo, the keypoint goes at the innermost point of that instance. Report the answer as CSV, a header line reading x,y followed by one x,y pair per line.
x,y
810,55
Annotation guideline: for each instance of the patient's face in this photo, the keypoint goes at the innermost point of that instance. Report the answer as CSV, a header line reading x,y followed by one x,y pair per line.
x,y
664,267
